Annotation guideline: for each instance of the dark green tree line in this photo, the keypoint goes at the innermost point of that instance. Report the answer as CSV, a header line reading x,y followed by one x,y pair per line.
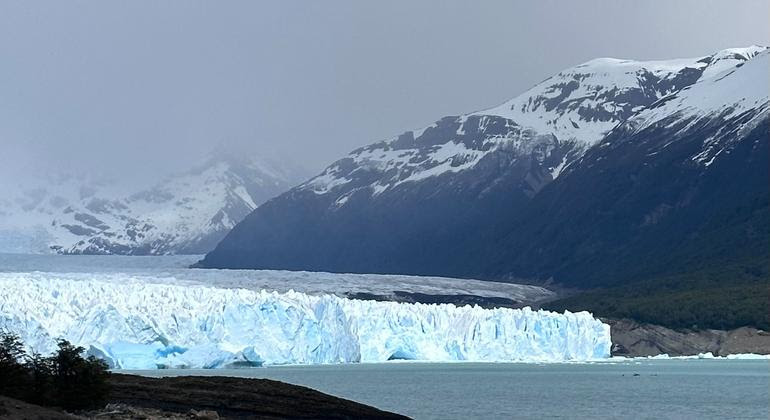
x,y
64,379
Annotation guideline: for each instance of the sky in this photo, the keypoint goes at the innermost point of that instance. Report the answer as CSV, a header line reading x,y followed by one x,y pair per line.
x,y
141,89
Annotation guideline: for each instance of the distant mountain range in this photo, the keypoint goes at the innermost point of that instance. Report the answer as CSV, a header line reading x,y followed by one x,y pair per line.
x,y
610,173
187,213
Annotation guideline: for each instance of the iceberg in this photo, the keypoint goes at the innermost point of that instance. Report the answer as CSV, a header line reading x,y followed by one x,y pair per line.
x,y
133,323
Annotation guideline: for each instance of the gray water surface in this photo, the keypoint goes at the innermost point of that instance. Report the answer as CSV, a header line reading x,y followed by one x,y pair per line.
x,y
634,389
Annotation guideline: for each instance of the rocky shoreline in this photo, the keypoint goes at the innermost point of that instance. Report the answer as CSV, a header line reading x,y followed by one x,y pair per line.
x,y
209,397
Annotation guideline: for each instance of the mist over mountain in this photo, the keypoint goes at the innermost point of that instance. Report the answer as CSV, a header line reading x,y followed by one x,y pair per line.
x,y
132,91
439,208
184,213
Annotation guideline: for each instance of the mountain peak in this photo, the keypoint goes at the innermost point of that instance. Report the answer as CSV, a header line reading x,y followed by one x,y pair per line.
x,y
187,212
552,123
583,103
737,98
739,53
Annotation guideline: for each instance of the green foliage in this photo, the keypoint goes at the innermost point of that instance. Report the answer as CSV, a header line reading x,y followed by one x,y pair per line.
x,y
79,382
64,379
724,297
12,371
39,386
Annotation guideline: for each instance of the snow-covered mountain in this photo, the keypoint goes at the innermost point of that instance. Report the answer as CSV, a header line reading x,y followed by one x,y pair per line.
x,y
737,94
551,124
184,213
679,187
431,200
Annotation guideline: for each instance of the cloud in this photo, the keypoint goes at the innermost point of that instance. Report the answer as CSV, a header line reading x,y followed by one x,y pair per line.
x,y
141,89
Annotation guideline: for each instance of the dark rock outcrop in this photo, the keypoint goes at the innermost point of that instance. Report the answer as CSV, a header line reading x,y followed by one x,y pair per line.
x,y
233,397
631,339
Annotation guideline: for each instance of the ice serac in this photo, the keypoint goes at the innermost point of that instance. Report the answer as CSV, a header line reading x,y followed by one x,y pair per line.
x,y
135,324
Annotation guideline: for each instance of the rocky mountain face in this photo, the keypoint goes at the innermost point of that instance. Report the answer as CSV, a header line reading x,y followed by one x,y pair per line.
x,y
634,339
682,183
187,213
669,218
541,187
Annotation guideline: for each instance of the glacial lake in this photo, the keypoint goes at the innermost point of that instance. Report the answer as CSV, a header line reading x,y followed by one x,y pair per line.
x,y
630,389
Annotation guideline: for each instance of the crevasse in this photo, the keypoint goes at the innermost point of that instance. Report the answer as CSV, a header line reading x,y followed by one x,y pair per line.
x,y
135,324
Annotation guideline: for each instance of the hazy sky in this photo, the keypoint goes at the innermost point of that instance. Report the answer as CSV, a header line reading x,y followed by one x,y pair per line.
x,y
153,84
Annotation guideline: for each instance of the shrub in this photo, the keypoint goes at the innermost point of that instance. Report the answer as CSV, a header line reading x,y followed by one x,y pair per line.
x,y
64,379
79,383
13,375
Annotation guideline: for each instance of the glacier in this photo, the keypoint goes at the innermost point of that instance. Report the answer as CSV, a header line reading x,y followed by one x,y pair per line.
x,y
133,323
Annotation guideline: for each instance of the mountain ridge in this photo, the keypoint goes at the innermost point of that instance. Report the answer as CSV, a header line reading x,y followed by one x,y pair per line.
x,y
414,204
188,212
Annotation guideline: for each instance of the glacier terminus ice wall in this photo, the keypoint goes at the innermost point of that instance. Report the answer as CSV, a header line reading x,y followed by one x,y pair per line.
x,y
137,324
